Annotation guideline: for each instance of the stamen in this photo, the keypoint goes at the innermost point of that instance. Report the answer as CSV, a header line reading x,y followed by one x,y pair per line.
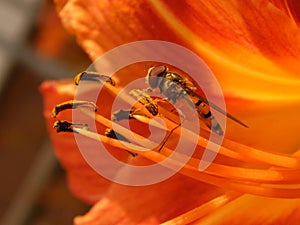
x,y
242,152
203,210
231,149
234,172
93,76
65,126
270,158
72,104
113,134
111,141
122,115
264,182
256,188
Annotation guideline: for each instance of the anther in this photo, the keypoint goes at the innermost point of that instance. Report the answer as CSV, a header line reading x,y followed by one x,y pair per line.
x,y
122,115
65,126
113,134
72,104
93,76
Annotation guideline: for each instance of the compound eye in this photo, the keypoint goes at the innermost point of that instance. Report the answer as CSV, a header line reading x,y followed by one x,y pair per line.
x,y
153,75
157,70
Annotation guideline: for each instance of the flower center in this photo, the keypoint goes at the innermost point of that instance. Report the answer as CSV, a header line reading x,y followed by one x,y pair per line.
x,y
239,168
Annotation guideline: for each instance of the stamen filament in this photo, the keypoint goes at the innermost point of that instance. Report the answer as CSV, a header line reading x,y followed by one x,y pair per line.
x,y
229,148
271,158
113,134
234,172
65,126
246,153
271,182
120,144
188,170
236,150
202,210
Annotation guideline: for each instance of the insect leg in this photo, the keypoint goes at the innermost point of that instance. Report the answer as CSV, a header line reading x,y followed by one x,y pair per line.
x,y
166,139
145,99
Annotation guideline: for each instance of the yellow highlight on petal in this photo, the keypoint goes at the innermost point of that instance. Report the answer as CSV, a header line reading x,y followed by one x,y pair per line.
x,y
279,83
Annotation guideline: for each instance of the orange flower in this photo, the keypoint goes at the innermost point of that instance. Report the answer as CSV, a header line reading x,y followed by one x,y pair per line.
x,y
253,49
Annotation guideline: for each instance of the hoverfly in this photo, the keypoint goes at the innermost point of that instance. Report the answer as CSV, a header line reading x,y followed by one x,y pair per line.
x,y
174,86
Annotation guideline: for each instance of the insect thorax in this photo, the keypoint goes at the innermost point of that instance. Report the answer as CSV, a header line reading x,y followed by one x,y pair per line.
x,y
171,86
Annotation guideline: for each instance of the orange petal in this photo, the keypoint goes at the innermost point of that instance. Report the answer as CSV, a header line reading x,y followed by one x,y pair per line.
x,y
49,25
272,126
240,42
251,58
120,204
251,210
224,34
152,204
290,7
83,180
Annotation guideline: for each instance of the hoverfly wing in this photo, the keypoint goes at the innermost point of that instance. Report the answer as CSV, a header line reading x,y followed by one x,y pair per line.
x,y
214,106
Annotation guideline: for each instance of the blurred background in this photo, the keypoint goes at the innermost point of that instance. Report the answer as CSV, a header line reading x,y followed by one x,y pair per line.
x,y
33,47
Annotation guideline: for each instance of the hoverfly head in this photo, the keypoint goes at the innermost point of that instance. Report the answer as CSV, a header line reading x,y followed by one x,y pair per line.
x,y
154,75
